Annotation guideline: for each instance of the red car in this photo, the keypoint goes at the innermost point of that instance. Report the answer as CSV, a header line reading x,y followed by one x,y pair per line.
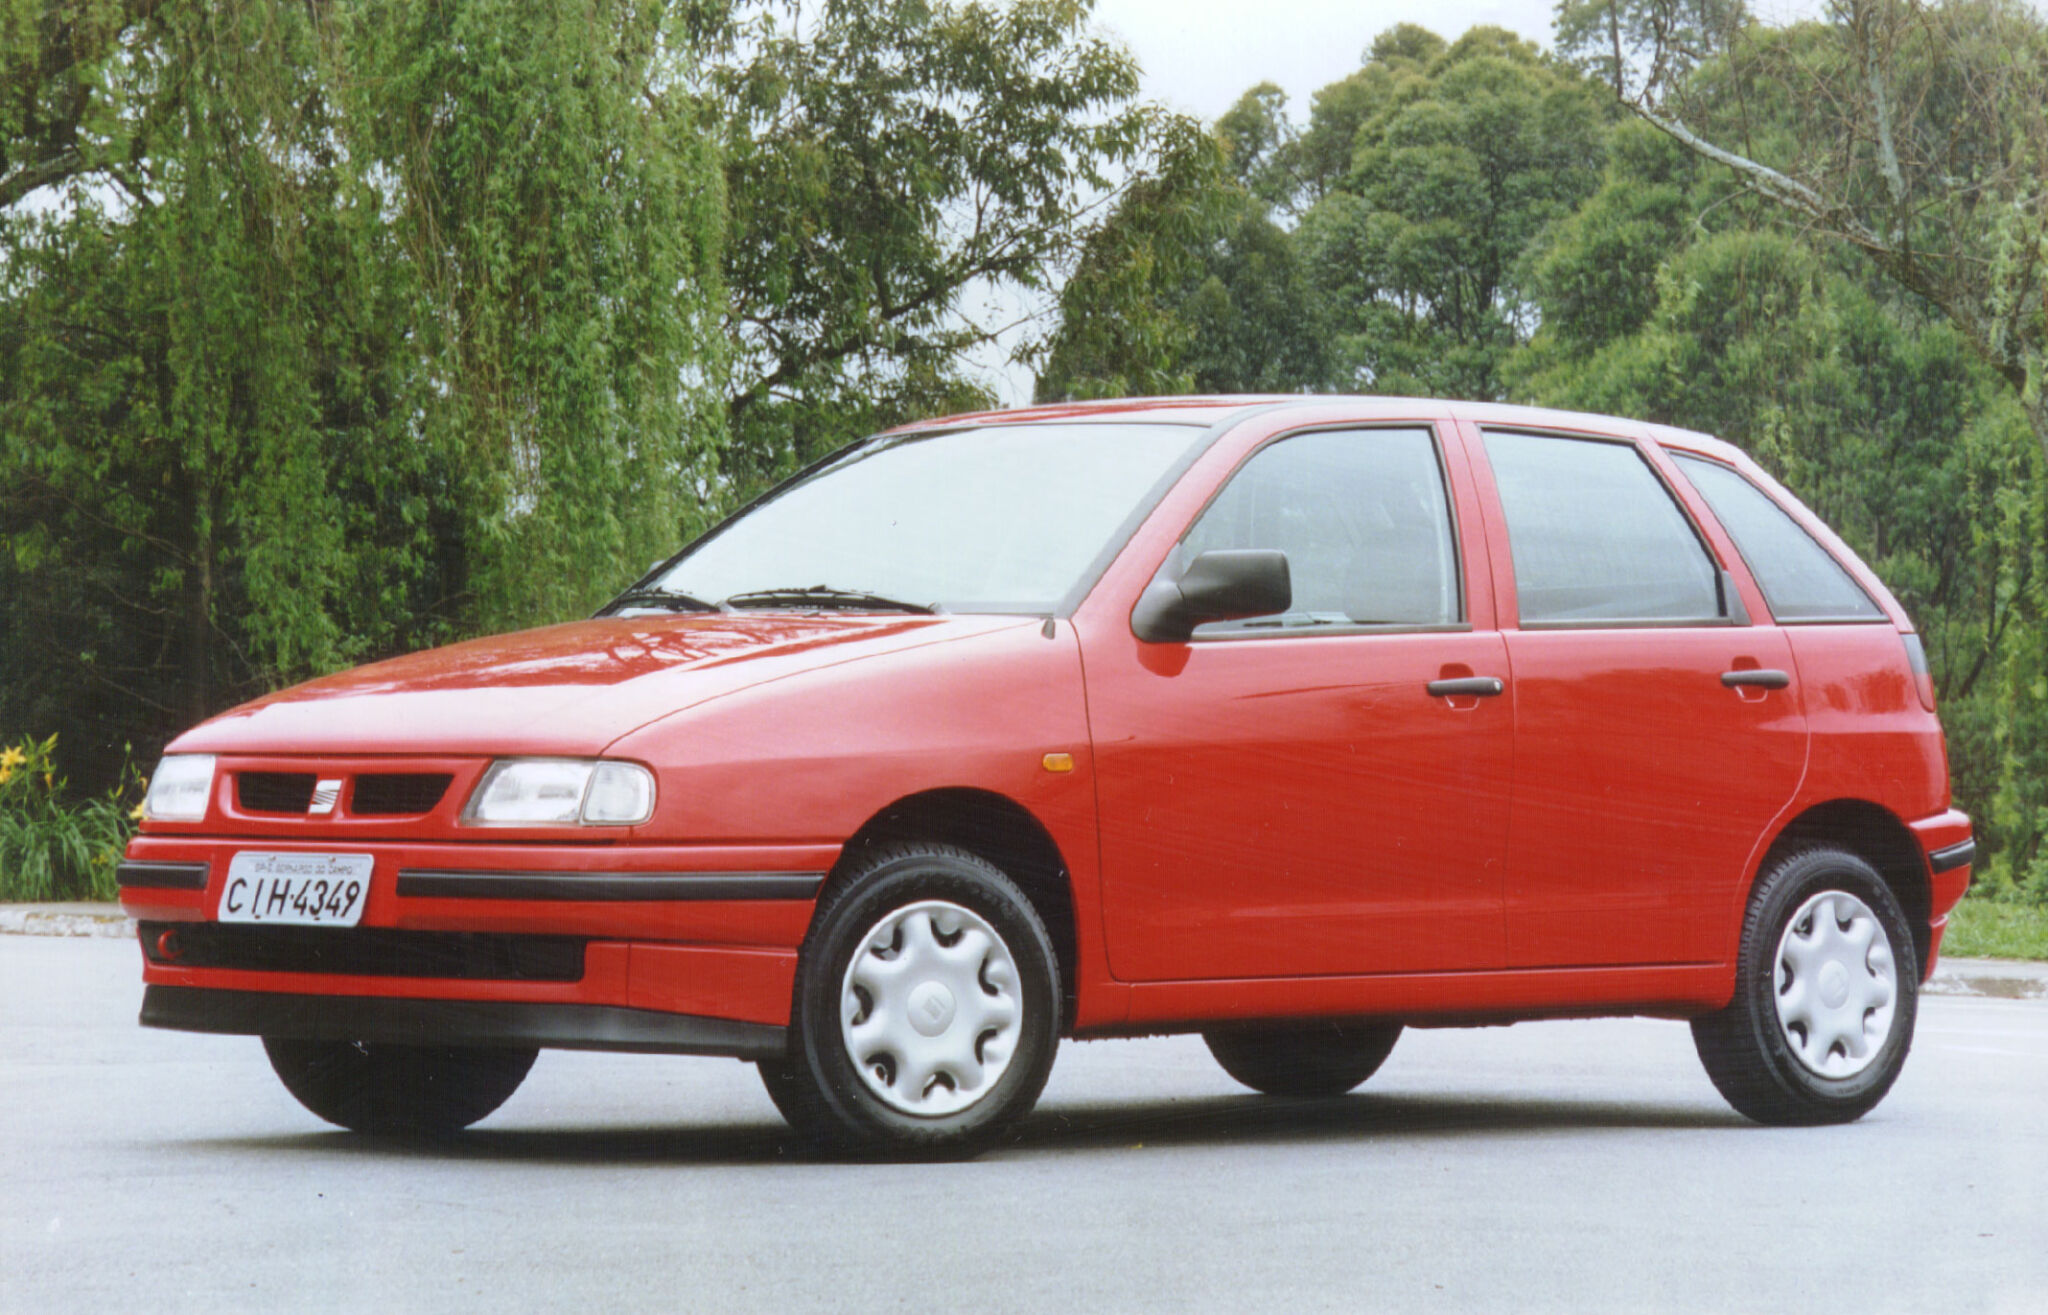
x,y
1289,721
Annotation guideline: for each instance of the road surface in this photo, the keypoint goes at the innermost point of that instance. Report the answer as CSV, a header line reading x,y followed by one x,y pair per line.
x,y
1581,1166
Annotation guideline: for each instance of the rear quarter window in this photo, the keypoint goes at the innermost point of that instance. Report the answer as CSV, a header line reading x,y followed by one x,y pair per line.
x,y
1800,580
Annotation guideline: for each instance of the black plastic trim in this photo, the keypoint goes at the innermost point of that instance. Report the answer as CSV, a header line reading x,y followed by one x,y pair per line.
x,y
366,951
455,1022
160,876
1955,856
608,887
1756,678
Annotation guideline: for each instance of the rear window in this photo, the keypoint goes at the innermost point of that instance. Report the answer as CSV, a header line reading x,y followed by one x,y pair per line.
x,y
1800,580
1596,537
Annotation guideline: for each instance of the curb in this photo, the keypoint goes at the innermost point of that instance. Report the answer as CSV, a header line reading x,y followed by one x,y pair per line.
x,y
65,920
1999,979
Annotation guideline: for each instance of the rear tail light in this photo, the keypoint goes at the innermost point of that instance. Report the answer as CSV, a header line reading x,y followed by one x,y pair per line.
x,y
1916,658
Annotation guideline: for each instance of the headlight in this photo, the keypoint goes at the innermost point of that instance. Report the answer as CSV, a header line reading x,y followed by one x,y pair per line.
x,y
561,792
180,788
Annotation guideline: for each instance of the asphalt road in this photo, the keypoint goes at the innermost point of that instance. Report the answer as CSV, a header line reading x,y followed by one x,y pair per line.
x,y
1578,1166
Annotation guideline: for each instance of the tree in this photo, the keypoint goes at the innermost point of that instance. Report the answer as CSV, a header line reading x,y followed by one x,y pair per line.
x,y
1916,136
342,329
1454,173
882,159
1189,286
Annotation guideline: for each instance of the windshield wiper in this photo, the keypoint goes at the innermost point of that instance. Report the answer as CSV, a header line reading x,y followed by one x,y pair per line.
x,y
824,596
664,598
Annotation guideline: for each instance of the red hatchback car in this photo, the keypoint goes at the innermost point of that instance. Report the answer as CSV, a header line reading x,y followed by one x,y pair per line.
x,y
1288,721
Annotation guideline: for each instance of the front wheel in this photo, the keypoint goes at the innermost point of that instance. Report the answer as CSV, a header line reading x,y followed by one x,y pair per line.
x,y
397,1090
1320,1057
1826,991
927,1008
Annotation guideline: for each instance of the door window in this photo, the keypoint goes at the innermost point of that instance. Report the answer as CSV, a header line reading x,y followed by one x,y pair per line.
x,y
1364,521
1597,539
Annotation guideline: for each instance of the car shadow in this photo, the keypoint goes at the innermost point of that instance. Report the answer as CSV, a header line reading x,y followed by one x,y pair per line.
x,y
1055,1128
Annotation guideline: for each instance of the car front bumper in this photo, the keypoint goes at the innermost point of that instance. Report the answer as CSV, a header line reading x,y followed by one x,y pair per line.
x,y
682,949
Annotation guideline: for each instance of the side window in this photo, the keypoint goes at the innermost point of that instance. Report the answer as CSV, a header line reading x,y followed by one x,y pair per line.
x,y
1363,519
1596,536
1800,580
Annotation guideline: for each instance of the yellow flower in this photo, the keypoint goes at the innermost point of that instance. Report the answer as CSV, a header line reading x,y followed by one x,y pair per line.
x,y
135,813
12,759
6,771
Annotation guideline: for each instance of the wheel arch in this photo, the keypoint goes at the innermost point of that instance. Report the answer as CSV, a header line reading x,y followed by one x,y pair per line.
x,y
1880,838
994,827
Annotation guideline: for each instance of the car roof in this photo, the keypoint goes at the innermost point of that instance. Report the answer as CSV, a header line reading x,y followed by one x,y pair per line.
x,y
1206,410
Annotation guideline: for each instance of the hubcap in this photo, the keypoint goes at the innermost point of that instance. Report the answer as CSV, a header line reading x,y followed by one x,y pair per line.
x,y
1837,985
929,1010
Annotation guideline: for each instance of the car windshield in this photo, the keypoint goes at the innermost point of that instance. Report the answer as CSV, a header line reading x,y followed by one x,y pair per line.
x,y
1005,518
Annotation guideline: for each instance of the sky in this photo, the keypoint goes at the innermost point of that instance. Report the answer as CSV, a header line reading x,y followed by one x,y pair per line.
x,y
1201,55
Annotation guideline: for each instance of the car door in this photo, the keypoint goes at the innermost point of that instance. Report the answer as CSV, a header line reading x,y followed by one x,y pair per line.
x,y
1286,795
1658,728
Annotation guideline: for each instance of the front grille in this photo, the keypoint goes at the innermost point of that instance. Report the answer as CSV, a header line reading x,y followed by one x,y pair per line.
x,y
367,951
274,792
397,792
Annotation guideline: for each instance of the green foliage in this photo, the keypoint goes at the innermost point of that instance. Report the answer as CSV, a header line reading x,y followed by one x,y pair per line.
x,y
1420,183
52,849
1983,928
1187,287
352,328
1418,251
882,159
562,228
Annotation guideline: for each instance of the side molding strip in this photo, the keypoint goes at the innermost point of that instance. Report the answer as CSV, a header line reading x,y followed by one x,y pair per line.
x,y
608,887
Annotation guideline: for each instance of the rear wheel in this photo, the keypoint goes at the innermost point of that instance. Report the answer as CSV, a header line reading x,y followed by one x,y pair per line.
x,y
397,1090
1826,992
1316,1058
927,1008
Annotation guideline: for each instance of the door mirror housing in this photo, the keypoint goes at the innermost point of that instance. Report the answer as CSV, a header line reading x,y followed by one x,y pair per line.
x,y
1227,584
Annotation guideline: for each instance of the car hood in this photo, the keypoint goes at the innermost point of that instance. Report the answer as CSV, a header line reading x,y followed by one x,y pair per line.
x,y
566,689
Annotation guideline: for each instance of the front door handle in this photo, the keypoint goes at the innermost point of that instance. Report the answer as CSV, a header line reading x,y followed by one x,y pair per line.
x,y
1483,686
1764,678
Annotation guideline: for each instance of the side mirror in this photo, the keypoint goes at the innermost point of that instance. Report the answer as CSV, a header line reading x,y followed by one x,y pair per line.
x,y
1224,585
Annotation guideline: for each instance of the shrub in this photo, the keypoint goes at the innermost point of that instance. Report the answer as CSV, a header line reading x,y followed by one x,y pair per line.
x,y
51,848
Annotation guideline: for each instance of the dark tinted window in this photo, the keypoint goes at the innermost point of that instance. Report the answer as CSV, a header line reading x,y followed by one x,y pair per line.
x,y
1596,536
1800,580
1362,517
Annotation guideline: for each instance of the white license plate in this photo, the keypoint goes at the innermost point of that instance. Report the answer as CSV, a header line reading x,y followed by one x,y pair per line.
x,y
307,890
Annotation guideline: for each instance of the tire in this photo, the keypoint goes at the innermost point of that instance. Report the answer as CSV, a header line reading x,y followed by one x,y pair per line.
x,y
406,1091
927,1008
1826,993
1323,1057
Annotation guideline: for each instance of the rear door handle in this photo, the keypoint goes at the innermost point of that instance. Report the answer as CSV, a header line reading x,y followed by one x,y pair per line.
x,y
1756,679
1483,686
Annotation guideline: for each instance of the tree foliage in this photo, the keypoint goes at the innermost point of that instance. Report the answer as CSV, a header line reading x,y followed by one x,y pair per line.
x,y
348,329
1379,250
883,160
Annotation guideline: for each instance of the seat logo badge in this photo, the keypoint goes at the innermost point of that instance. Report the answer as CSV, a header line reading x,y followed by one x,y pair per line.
x,y
324,795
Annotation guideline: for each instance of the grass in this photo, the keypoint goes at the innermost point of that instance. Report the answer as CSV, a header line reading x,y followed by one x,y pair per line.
x,y
1982,929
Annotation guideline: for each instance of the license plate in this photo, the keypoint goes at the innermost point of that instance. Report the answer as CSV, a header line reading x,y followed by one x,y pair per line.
x,y
306,890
